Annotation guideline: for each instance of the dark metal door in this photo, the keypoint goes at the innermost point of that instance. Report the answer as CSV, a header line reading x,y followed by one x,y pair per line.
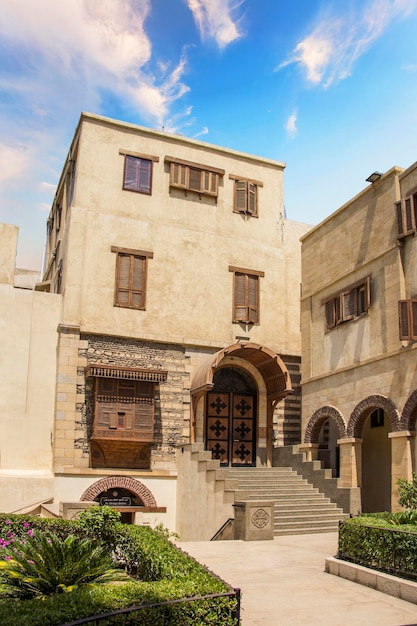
x,y
231,428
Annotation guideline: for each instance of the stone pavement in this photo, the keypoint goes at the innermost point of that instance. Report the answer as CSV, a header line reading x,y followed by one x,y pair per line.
x,y
283,582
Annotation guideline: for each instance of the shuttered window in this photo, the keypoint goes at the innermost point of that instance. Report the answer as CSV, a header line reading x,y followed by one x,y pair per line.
x,y
189,176
246,295
137,174
407,313
124,406
246,197
348,304
131,275
406,215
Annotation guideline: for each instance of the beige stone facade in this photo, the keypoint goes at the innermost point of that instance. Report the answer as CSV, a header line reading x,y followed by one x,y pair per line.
x,y
175,275
359,375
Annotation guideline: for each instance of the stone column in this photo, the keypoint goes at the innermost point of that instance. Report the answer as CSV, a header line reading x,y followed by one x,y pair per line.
x,y
401,462
350,462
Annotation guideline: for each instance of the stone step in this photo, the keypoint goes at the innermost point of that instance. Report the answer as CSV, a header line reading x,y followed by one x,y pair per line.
x,y
307,523
298,506
311,506
304,531
280,492
307,517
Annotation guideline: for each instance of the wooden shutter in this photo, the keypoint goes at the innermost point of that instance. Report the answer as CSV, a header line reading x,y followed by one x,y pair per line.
x,y
144,420
138,282
178,175
348,301
330,313
241,309
252,282
240,196
399,215
408,215
194,181
413,318
123,279
209,182
403,315
252,199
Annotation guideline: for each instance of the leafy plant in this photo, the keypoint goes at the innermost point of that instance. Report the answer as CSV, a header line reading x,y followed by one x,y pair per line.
x,y
403,517
408,492
100,522
44,565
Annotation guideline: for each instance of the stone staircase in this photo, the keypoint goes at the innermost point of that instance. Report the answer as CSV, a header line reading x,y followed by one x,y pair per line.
x,y
299,507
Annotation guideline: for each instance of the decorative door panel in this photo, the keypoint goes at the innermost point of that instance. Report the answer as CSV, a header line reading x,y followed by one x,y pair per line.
x,y
243,426
230,428
218,431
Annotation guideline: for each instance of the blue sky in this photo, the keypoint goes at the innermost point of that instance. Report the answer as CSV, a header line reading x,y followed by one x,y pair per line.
x,y
328,87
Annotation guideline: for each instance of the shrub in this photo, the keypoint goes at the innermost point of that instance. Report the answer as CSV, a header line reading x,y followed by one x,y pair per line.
x,y
373,541
100,522
408,492
172,576
44,565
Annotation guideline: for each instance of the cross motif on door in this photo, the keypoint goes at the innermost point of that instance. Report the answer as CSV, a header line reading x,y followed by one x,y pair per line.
x,y
217,428
218,405
242,429
243,407
242,452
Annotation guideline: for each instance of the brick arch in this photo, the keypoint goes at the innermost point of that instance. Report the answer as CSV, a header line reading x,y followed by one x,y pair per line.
x,y
363,410
121,482
317,420
409,414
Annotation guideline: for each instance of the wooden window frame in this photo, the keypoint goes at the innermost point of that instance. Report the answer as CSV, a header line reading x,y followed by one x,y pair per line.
x,y
190,176
143,164
406,215
245,195
246,295
131,294
124,415
348,304
407,317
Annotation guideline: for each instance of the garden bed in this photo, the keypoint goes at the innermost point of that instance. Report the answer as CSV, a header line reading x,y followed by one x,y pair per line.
x,y
178,589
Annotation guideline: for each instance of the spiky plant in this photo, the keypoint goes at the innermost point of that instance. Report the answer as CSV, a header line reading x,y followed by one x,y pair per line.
x,y
44,565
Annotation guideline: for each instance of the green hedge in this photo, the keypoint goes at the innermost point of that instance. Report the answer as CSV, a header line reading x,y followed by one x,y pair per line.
x,y
379,542
161,571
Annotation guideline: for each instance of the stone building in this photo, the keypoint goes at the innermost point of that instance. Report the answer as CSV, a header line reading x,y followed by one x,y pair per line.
x,y
171,296
359,332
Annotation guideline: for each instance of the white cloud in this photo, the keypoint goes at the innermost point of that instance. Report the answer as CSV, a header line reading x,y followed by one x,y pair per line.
x,y
89,47
203,131
291,125
14,161
214,20
329,52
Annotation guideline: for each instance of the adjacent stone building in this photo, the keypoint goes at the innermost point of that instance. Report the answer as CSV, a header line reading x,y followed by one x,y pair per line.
x,y
359,332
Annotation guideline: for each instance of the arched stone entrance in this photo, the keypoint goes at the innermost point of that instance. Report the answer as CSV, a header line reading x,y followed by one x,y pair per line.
x,y
125,494
325,427
371,422
237,405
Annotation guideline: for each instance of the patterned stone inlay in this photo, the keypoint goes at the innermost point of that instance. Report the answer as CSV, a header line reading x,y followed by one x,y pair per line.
x,y
260,518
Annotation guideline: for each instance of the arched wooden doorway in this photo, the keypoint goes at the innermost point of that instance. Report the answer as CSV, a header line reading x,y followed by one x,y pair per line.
x,y
231,408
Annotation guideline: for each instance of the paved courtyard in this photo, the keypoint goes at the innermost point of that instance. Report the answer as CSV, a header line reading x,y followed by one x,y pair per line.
x,y
283,582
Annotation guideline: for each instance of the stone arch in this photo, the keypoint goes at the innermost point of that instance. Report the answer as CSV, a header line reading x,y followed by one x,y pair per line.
x,y
121,482
409,414
317,420
363,410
